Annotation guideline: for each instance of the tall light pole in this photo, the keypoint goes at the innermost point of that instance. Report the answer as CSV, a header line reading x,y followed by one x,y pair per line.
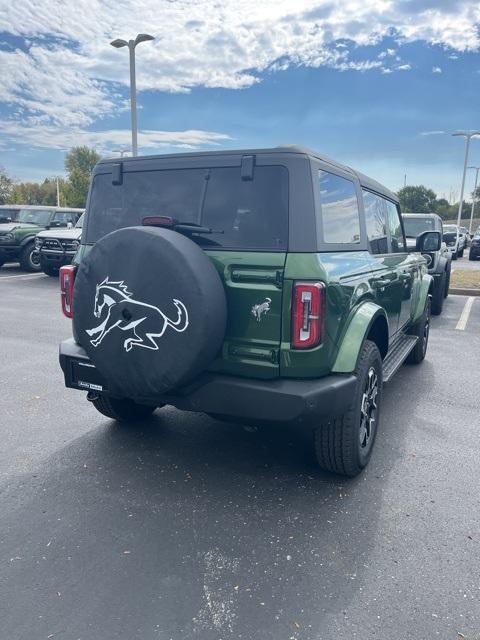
x,y
468,135
474,197
131,44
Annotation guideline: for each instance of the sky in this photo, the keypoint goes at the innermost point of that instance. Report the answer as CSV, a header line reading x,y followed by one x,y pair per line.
x,y
379,85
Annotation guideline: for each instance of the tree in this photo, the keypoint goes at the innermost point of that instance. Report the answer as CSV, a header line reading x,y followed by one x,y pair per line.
x,y
417,199
79,163
6,186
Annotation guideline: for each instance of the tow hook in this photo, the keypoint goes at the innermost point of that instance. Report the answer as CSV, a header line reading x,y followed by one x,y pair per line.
x,y
92,396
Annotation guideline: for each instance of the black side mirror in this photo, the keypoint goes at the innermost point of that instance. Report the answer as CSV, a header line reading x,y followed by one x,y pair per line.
x,y
429,241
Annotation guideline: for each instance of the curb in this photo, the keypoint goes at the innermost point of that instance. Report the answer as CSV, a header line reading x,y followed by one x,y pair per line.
x,y
464,292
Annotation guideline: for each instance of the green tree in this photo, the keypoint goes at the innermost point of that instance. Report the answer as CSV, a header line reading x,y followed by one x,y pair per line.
x,y
79,163
6,187
417,199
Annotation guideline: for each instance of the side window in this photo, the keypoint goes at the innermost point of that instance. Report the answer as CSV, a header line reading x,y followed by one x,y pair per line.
x,y
339,209
397,240
376,222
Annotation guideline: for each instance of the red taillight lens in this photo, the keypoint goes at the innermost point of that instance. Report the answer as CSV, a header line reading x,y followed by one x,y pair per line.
x,y
308,314
67,280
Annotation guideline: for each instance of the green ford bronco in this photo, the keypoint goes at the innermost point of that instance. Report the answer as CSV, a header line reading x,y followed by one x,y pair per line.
x,y
257,285
17,237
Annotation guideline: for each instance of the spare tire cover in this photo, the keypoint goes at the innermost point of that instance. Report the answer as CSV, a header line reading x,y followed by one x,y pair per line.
x,y
149,309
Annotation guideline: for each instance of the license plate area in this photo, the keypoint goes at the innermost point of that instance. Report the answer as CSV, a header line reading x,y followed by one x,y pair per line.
x,y
84,375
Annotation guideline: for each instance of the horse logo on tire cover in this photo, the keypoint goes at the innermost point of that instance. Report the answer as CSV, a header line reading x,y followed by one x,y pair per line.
x,y
145,322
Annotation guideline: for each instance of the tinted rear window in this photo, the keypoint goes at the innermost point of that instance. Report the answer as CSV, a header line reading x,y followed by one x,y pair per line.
x,y
415,226
245,214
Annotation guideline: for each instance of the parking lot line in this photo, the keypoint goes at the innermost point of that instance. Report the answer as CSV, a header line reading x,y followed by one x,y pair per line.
x,y
23,275
462,322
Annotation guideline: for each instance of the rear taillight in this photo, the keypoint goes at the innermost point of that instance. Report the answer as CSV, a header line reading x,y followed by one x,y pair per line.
x,y
67,280
308,314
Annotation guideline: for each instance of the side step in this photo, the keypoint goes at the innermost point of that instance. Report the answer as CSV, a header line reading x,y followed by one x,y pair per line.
x,y
396,356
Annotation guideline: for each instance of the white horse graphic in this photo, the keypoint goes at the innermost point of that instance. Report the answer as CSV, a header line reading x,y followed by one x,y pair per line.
x,y
145,321
263,307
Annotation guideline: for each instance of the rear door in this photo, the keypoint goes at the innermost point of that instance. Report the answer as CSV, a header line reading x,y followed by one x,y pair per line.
x,y
249,211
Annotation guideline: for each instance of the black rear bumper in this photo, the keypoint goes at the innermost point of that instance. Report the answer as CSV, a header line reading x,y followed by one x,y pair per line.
x,y
278,400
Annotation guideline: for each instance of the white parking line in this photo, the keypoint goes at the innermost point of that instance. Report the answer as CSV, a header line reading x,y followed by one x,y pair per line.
x,y
23,275
462,322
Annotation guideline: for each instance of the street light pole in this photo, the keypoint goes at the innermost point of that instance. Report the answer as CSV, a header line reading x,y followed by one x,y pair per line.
x,y
474,197
468,135
131,44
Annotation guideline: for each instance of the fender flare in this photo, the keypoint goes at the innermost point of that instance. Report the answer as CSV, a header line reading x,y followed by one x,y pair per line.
x,y
362,319
423,288
27,239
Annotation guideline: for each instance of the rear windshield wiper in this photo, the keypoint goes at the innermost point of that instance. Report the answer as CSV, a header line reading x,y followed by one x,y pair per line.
x,y
192,227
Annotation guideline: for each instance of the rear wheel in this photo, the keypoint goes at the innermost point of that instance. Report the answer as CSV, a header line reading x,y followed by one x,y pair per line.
x,y
470,256
439,295
422,331
29,258
121,409
344,444
460,254
454,256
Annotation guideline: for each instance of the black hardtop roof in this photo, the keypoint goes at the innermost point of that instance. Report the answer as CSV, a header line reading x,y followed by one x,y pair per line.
x,y
365,181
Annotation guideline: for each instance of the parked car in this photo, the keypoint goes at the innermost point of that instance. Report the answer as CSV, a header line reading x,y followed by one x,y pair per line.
x,y
8,212
439,262
17,237
57,247
454,242
250,285
466,235
475,246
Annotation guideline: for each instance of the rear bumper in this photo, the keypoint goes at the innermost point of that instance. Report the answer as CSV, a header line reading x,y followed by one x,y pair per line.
x,y
279,400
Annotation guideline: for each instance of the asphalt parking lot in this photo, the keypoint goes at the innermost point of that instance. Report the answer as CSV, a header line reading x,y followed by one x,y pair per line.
x,y
196,529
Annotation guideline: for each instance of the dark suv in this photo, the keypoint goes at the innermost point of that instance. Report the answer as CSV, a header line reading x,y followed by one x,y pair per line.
x,y
439,262
475,246
17,237
258,285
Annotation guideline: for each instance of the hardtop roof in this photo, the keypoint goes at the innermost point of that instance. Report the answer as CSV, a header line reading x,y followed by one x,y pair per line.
x,y
421,215
364,180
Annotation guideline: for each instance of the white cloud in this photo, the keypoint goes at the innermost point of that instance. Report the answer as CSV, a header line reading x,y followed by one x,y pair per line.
x,y
104,141
437,70
432,133
70,77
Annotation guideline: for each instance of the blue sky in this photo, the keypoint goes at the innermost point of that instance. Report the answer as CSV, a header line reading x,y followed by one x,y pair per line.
x,y
380,86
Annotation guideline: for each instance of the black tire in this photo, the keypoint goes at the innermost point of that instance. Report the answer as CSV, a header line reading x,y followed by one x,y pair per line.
x,y
121,409
422,331
344,444
29,259
447,283
439,295
460,254
50,271
2,262
454,256
470,256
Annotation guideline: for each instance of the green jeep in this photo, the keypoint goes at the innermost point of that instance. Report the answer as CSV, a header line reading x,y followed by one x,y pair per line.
x,y
17,237
259,285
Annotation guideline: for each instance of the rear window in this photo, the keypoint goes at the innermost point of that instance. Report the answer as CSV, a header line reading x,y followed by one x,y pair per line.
x,y
415,226
244,214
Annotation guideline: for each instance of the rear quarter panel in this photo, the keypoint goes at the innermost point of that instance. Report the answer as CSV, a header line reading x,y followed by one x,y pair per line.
x,y
346,276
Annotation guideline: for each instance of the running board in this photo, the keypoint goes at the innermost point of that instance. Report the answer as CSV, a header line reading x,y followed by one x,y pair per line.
x,y
397,355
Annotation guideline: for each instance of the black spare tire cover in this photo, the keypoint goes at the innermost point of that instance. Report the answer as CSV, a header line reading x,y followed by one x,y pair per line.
x,y
149,309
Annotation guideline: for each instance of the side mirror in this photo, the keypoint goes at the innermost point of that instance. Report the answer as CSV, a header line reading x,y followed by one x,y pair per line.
x,y
429,241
